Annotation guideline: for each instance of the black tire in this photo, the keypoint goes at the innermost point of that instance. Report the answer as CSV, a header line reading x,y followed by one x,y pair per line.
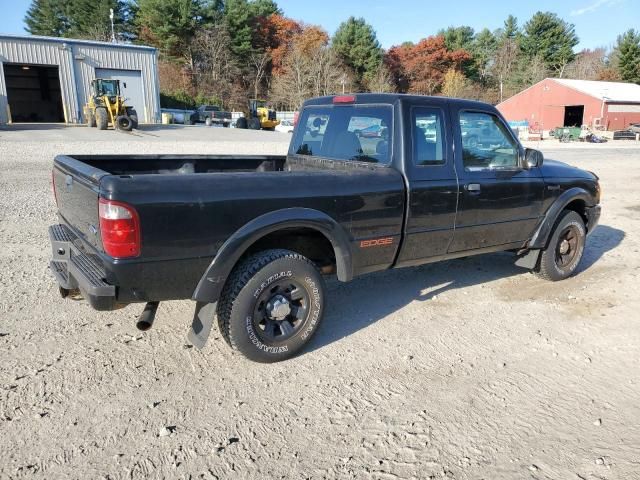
x,y
565,249
242,123
133,115
279,281
254,123
102,119
91,119
124,123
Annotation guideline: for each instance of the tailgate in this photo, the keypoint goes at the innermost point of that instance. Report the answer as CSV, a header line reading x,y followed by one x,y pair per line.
x,y
77,187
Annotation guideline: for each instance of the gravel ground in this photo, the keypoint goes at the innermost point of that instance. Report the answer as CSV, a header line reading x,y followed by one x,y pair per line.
x,y
466,369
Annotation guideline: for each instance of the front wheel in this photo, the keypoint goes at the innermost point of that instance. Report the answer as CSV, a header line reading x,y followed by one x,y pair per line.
x,y
254,123
271,305
124,123
566,247
102,118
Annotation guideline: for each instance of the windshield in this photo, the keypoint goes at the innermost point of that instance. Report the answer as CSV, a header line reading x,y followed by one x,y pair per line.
x,y
355,132
106,87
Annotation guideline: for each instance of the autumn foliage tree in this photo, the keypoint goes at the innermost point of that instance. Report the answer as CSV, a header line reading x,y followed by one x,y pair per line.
x,y
421,68
310,68
275,34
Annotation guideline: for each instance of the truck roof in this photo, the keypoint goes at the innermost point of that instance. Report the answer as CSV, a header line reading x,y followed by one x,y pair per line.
x,y
393,97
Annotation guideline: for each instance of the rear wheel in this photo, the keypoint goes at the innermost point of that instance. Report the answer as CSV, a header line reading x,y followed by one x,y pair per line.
x,y
133,115
91,119
241,123
566,247
102,119
271,305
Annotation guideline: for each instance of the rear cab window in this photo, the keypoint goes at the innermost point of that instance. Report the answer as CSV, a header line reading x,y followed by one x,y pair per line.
x,y
353,133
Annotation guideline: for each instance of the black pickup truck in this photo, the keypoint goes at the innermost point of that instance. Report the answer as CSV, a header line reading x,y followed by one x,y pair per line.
x,y
250,238
211,115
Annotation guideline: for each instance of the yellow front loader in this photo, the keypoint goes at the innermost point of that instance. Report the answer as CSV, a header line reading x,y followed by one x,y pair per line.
x,y
106,106
258,117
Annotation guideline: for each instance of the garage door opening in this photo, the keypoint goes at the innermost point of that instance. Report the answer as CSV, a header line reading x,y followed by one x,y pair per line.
x,y
573,115
33,93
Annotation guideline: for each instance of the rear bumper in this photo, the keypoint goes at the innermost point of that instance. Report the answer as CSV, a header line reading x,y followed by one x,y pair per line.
x,y
76,270
593,217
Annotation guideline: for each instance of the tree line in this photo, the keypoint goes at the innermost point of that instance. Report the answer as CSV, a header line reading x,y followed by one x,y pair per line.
x,y
225,51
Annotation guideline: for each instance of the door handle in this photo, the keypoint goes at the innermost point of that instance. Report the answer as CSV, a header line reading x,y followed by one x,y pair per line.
x,y
472,187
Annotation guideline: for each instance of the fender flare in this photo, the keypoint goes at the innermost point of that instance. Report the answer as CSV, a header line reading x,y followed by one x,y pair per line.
x,y
210,285
542,234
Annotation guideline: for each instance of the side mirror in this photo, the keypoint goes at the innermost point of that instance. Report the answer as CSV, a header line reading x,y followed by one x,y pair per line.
x,y
533,158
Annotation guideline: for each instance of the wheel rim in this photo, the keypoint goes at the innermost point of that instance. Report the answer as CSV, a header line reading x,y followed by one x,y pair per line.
x,y
568,246
281,311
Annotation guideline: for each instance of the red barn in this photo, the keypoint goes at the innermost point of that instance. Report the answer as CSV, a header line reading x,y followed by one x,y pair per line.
x,y
557,102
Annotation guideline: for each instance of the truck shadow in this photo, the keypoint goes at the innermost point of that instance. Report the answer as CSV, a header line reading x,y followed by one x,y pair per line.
x,y
364,301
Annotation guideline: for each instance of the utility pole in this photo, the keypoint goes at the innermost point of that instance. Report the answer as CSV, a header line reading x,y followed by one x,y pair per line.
x,y
113,33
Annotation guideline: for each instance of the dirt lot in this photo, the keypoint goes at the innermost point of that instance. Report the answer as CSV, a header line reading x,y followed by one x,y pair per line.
x,y
467,369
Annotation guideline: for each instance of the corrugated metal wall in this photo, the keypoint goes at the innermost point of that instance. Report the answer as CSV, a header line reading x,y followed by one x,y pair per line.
x,y
77,61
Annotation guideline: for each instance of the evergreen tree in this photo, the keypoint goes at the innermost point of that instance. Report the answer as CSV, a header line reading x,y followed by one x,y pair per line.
x,y
171,25
510,29
46,17
356,44
628,56
552,39
80,19
457,38
242,18
483,49
90,19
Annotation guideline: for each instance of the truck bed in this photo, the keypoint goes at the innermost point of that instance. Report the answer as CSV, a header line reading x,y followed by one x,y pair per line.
x,y
181,164
189,205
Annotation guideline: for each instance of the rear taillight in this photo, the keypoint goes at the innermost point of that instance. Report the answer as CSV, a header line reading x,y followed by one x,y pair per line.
x,y
119,228
53,185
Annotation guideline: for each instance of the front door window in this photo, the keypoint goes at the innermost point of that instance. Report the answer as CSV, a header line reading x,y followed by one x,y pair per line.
x,y
486,143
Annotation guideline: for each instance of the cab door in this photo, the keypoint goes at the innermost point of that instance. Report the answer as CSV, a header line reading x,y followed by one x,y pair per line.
x,y
500,199
432,184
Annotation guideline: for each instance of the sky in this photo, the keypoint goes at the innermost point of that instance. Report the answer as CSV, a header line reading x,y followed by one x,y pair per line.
x,y
597,22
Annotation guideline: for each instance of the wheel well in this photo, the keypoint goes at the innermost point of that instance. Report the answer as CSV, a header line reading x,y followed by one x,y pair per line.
x,y
580,207
305,241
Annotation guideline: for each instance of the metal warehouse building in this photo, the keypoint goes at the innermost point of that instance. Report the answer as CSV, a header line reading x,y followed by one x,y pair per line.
x,y
44,79
559,102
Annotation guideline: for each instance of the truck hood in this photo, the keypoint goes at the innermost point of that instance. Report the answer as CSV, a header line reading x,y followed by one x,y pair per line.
x,y
556,169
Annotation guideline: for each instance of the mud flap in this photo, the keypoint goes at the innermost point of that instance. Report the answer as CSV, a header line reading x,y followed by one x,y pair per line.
x,y
202,324
529,260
